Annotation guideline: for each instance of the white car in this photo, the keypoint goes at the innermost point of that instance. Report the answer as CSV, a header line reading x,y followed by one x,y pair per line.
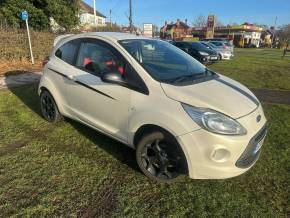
x,y
180,117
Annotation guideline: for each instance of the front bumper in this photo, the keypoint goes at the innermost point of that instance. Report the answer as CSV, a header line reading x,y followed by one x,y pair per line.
x,y
213,156
209,59
227,56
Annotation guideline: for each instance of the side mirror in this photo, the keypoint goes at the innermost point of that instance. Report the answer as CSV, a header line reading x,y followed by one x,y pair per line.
x,y
114,78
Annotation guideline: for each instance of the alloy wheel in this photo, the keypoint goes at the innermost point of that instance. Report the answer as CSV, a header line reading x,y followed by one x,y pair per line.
x,y
159,160
48,107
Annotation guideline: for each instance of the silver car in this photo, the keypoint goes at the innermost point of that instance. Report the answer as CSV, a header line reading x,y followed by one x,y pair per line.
x,y
224,53
223,44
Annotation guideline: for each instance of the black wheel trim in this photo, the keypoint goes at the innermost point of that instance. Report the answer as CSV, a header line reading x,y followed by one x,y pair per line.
x,y
157,159
48,107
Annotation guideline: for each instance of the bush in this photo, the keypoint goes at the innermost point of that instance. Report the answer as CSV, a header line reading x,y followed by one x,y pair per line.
x,y
14,43
64,12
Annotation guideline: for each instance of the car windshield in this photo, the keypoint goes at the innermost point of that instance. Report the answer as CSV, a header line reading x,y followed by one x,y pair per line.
x,y
212,45
163,61
217,43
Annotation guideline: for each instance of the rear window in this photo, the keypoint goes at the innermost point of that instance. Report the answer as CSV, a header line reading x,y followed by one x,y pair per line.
x,y
67,52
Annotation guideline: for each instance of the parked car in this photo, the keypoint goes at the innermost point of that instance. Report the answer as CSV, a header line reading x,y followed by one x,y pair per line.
x,y
179,116
223,45
219,40
216,39
198,51
224,54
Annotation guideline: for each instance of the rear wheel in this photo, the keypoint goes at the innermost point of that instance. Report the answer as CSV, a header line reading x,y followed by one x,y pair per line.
x,y
160,157
49,109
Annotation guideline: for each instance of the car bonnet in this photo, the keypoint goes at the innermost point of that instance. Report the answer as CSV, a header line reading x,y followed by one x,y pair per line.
x,y
221,94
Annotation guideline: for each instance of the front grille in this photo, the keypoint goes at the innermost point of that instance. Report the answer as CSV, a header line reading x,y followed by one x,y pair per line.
x,y
248,157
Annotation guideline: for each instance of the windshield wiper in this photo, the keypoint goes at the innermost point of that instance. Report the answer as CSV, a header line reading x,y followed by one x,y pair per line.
x,y
192,77
181,78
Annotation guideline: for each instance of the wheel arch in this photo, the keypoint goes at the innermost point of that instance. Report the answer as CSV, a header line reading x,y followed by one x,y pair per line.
x,y
150,128
47,86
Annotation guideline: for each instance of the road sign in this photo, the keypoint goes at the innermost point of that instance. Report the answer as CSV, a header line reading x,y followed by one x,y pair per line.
x,y
148,29
24,15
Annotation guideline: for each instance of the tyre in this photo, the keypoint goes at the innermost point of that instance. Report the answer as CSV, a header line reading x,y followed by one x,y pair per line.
x,y
49,108
160,157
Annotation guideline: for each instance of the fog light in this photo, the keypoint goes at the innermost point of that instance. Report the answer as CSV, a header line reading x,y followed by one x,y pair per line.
x,y
220,155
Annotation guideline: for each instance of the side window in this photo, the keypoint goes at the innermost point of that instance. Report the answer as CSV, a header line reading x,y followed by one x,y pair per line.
x,y
67,52
97,58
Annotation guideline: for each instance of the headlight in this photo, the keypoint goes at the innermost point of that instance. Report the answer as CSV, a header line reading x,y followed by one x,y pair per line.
x,y
203,53
214,121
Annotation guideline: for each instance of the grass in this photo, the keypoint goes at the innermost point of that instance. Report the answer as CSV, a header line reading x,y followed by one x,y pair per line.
x,y
71,170
257,68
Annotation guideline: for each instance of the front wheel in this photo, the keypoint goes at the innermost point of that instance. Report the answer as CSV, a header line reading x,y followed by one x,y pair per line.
x,y
160,157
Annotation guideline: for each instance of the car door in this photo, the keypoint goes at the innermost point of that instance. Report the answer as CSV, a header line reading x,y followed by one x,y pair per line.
x,y
59,66
102,105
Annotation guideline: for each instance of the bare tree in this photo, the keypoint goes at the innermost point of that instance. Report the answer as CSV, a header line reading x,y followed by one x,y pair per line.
x,y
218,23
200,21
284,32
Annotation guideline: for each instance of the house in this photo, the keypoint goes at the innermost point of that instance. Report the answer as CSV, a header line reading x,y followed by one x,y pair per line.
x,y
87,17
175,31
244,35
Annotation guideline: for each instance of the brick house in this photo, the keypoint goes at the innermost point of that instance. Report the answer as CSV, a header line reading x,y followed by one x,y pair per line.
x,y
175,31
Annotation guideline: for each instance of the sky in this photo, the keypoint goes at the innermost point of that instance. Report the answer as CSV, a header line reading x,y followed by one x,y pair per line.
x,y
227,11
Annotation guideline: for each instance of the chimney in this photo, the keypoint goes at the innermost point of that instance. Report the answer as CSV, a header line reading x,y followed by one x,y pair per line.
x,y
165,23
178,21
186,21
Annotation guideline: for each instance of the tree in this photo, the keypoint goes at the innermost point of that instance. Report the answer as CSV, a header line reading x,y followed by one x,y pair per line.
x,y
64,12
200,21
10,11
284,32
218,22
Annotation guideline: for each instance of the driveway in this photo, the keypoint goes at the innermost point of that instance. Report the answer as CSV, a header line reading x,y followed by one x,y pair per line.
x,y
19,80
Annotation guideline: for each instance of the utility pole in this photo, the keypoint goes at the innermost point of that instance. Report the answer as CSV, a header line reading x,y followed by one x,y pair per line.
x,y
111,17
274,31
130,17
95,14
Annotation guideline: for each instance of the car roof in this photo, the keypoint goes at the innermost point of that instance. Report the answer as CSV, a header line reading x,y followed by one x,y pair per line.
x,y
113,35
